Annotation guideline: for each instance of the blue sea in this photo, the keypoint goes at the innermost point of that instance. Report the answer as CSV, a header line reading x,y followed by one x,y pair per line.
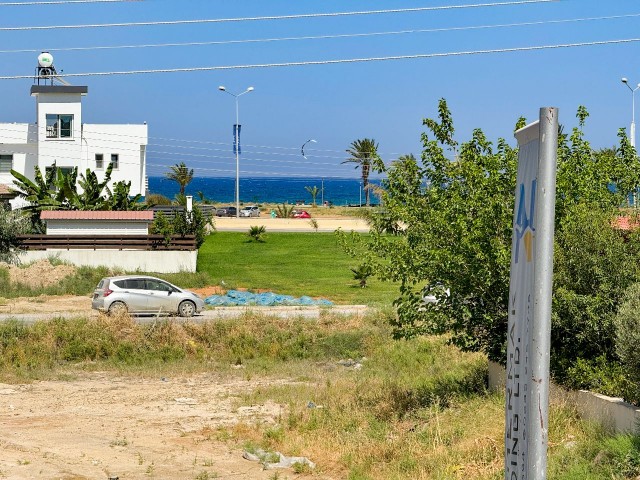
x,y
339,192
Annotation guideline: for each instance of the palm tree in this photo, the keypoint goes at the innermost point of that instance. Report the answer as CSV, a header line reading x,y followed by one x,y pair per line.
x,y
363,153
313,191
181,174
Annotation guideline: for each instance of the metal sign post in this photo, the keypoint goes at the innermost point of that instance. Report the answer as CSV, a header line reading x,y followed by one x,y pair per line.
x,y
529,326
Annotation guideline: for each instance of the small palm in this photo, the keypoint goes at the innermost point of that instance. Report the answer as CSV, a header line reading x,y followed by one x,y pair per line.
x,y
257,233
362,274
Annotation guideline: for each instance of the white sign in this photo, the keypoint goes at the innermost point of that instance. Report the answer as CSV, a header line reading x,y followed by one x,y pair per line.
x,y
521,304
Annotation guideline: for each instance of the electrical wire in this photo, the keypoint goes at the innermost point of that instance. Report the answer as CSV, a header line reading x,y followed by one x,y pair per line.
x,y
277,17
61,2
338,61
327,37
247,148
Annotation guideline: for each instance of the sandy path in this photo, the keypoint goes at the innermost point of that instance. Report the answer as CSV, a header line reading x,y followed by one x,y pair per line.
x,y
104,426
325,224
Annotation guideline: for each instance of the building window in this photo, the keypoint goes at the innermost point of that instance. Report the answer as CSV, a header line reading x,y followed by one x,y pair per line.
x,y
63,170
115,161
99,161
6,163
59,126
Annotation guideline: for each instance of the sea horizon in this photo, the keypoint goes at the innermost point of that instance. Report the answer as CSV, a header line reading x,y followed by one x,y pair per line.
x,y
337,191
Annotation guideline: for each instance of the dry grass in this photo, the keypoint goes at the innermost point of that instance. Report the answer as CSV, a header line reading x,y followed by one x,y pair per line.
x,y
412,409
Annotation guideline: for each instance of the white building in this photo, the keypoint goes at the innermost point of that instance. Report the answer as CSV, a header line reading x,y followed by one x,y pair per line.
x,y
60,135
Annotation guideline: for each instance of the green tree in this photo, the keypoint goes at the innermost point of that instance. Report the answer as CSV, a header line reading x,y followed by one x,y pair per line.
x,y
120,198
593,266
193,223
456,219
181,174
363,153
40,193
12,224
313,191
91,197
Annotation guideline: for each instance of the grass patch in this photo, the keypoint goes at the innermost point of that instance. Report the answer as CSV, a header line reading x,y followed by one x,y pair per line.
x,y
290,263
295,264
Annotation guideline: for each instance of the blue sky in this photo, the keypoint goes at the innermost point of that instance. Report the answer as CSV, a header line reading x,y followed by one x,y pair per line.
x,y
190,120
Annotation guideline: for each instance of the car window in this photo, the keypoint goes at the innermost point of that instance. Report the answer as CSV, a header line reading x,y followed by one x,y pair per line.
x,y
158,285
136,283
120,283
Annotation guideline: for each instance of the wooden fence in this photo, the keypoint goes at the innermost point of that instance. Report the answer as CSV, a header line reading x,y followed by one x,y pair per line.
x,y
169,211
106,242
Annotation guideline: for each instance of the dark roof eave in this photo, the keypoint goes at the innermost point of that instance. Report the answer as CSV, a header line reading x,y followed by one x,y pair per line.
x,y
70,89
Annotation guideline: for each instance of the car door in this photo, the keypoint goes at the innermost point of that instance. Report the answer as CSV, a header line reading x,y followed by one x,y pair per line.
x,y
160,298
133,293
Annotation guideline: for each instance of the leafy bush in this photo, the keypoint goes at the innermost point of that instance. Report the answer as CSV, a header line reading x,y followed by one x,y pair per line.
x,y
284,211
184,223
594,265
157,199
12,224
162,226
627,329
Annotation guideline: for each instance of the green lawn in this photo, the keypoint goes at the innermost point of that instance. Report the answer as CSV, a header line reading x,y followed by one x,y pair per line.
x,y
290,263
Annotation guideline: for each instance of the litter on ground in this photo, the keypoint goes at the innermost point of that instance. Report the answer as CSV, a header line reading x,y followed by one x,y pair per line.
x,y
276,459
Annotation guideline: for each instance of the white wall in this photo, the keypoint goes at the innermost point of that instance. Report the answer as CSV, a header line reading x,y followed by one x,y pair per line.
x,y
13,133
96,227
66,152
128,142
18,140
127,260
613,413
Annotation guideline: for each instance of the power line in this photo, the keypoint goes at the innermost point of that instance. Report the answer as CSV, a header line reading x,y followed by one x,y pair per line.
x,y
61,2
276,17
326,37
337,61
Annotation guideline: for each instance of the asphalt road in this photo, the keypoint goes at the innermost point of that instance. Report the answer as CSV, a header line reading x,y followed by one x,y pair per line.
x,y
216,313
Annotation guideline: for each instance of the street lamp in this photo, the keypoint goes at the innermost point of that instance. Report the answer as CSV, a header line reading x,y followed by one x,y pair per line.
x,y
236,133
632,132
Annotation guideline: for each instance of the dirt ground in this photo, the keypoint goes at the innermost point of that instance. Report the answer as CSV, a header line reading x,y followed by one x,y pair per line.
x,y
101,426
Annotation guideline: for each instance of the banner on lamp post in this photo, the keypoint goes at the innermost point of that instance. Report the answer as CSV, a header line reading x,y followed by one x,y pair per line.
x,y
237,149
528,330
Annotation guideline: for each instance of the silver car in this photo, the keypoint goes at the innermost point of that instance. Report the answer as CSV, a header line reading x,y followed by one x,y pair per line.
x,y
250,211
143,294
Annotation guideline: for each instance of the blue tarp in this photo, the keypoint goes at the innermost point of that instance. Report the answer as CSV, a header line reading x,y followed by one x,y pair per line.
x,y
267,299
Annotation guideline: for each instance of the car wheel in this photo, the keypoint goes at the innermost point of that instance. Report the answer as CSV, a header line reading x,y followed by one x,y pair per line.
x,y
117,307
187,309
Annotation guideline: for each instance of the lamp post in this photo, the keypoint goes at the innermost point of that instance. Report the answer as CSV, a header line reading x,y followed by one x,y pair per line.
x,y
632,131
236,132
